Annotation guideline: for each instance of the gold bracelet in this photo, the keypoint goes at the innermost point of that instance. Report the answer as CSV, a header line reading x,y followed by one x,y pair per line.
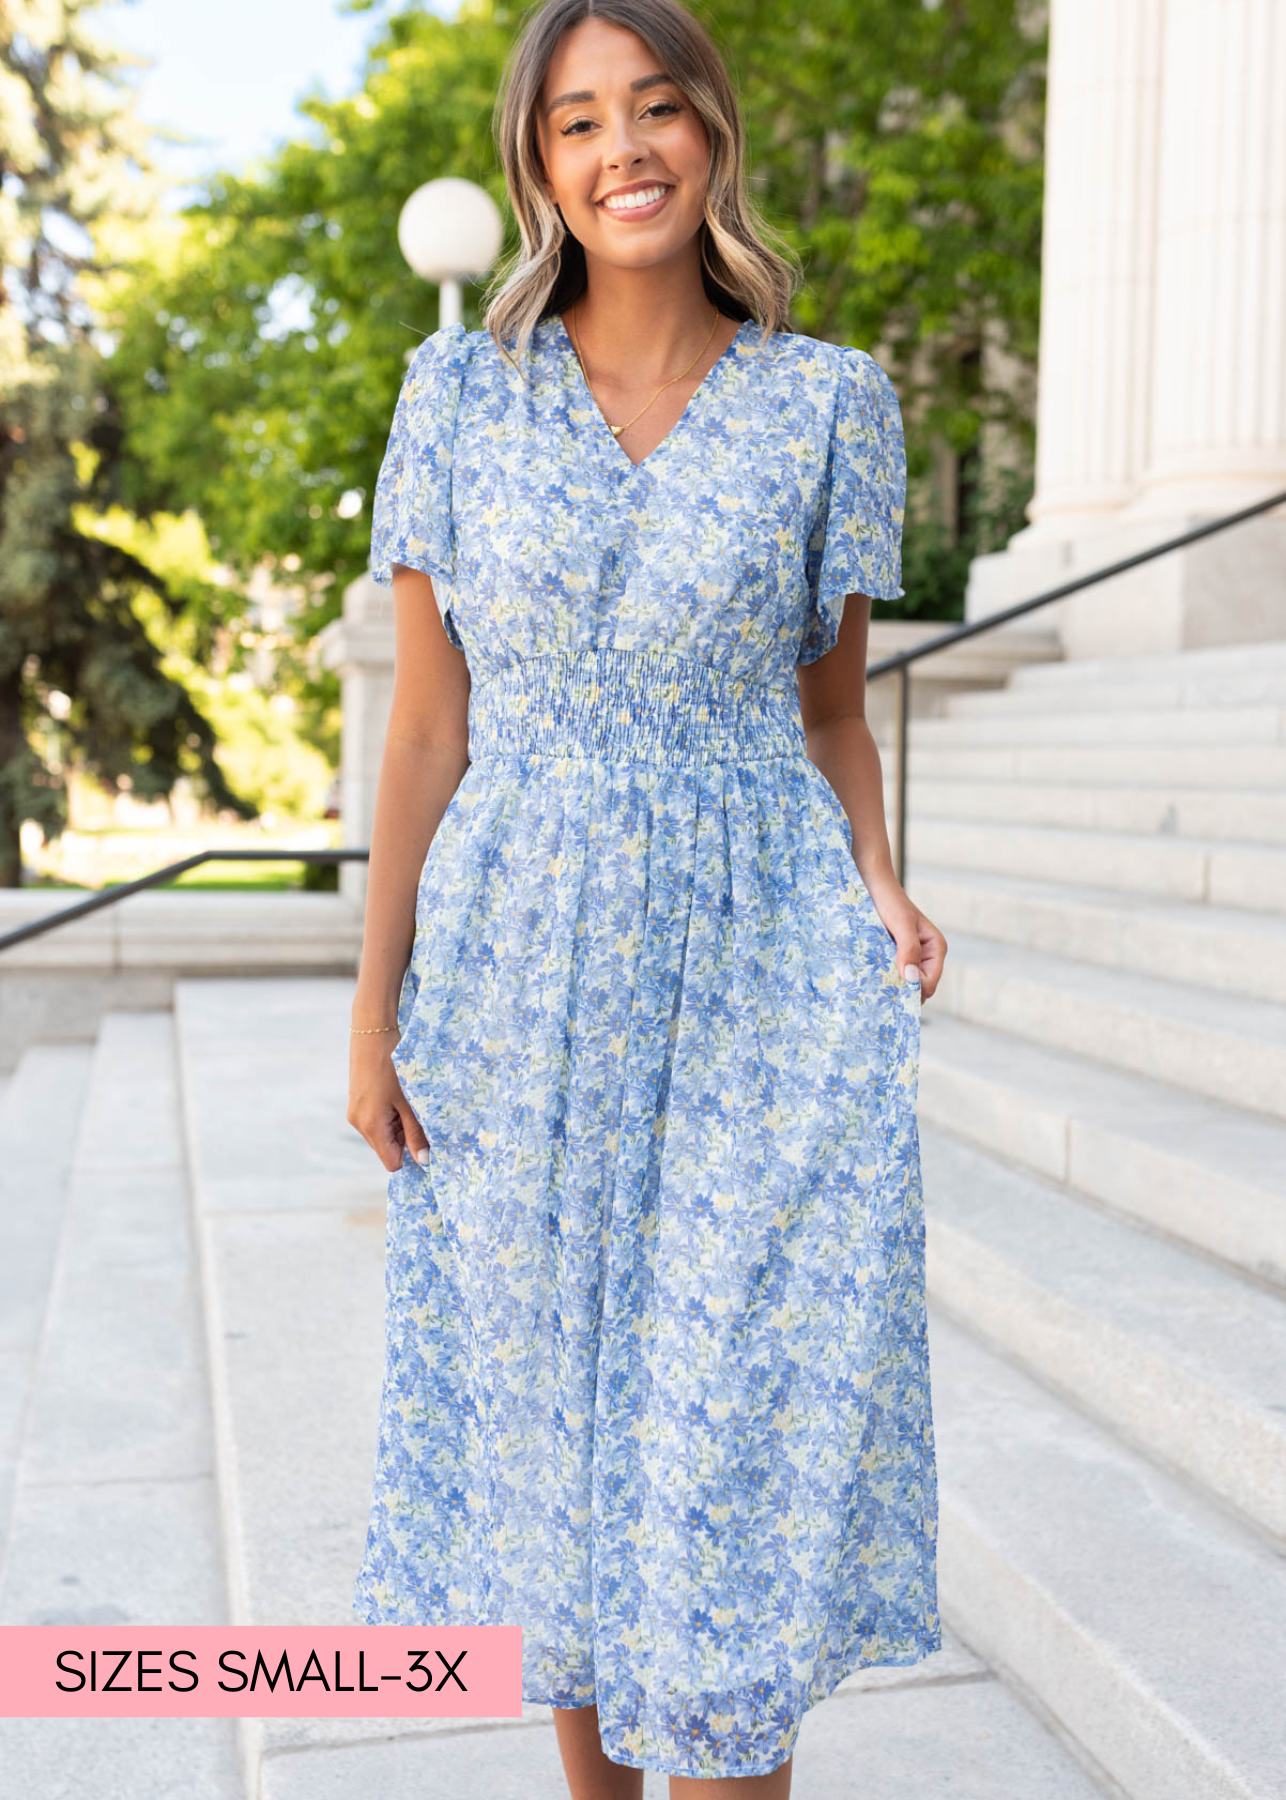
x,y
366,1030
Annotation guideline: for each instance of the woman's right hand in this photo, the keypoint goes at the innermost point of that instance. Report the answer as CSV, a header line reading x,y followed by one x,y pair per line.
x,y
377,1107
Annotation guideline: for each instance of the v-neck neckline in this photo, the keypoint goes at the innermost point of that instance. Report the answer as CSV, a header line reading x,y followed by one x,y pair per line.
x,y
706,381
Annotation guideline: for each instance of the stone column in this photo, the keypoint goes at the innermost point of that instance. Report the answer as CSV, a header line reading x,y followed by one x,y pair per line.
x,y
359,645
1218,416
1097,260
1162,384
1217,424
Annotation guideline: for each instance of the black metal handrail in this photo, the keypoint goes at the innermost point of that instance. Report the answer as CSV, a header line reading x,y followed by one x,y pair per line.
x,y
898,664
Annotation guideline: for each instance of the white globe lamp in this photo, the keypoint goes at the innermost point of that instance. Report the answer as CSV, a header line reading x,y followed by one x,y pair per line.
x,y
450,231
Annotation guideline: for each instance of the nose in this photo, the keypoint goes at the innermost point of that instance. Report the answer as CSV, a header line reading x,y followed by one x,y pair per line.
x,y
621,146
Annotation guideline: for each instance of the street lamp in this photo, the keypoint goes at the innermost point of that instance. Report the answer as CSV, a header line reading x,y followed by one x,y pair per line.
x,y
450,231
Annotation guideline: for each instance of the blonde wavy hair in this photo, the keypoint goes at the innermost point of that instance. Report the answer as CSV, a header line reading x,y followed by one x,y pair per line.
x,y
748,269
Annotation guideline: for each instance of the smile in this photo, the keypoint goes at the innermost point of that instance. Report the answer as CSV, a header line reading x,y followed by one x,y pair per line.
x,y
641,205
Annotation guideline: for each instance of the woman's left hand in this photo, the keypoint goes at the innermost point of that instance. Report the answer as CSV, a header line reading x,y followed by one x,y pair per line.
x,y
920,945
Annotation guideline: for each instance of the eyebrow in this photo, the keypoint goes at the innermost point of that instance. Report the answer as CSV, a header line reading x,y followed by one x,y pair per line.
x,y
579,95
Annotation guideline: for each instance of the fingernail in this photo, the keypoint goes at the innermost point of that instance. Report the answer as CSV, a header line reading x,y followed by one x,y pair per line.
x,y
422,1157
912,973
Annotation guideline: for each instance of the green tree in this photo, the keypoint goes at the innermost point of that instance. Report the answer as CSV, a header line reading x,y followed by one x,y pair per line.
x,y
71,643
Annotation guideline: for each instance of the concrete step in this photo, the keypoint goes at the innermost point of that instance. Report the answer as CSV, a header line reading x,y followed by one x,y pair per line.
x,y
1210,766
1198,1171
1248,876
42,1099
1215,661
1148,1621
291,1208
1178,693
1248,728
1177,1354
114,1515
1250,815
963,1734
1222,1046
1223,948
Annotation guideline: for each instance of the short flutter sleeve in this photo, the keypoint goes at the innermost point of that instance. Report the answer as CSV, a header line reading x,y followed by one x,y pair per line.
x,y
855,546
411,517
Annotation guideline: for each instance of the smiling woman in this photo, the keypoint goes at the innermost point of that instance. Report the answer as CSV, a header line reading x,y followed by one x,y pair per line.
x,y
657,1380
637,213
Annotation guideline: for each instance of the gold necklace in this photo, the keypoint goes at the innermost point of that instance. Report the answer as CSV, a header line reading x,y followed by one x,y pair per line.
x,y
616,430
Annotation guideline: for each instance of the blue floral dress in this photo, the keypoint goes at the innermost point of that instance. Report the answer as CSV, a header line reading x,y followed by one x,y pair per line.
x,y
657,1384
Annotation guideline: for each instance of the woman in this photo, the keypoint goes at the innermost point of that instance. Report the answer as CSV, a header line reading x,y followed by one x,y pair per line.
x,y
657,1383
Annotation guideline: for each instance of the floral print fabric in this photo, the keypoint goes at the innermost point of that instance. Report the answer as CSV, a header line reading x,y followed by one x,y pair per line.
x,y
656,1383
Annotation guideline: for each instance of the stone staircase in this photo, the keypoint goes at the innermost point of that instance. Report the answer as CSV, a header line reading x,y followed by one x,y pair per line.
x,y
1103,1114
191,1247
108,1490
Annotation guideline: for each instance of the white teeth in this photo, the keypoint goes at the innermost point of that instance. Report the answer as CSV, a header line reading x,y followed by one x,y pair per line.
x,y
625,202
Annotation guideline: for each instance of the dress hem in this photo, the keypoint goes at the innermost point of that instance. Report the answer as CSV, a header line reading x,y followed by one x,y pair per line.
x,y
922,1648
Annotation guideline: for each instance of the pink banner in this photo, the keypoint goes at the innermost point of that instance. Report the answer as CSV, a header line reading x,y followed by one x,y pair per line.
x,y
260,1672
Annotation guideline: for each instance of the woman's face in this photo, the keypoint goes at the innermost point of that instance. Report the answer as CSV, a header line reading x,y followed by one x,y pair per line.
x,y
610,119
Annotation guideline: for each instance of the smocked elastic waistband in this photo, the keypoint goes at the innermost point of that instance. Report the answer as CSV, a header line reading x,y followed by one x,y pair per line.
x,y
630,706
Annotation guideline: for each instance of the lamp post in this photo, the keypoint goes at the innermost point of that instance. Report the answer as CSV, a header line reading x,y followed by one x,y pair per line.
x,y
450,231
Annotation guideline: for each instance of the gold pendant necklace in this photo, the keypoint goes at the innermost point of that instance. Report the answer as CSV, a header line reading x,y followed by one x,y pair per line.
x,y
616,430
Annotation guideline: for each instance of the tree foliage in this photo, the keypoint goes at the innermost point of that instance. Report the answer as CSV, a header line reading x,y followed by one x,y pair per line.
x,y
72,646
